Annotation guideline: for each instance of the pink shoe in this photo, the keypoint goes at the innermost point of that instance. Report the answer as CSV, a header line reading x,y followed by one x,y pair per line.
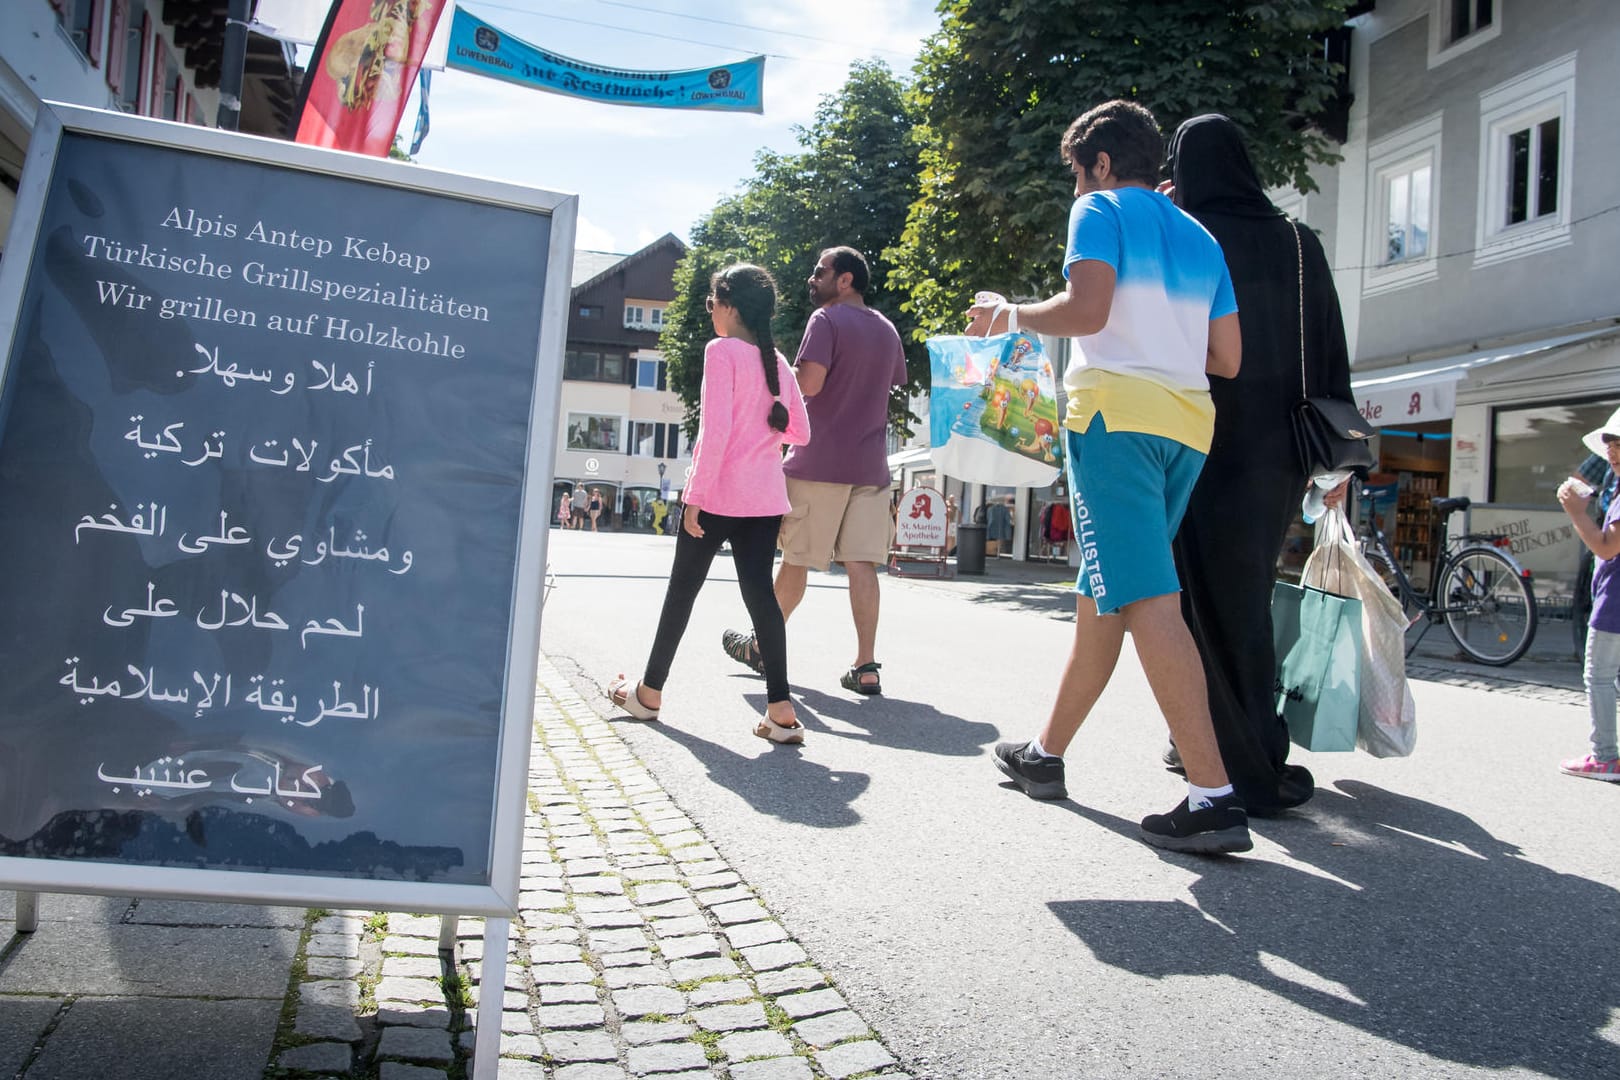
x,y
1591,766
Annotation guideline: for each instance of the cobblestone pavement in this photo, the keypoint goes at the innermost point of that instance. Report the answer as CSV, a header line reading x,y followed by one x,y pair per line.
x,y
637,952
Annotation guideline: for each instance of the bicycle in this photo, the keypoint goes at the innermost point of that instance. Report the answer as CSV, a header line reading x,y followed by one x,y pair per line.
x,y
1478,590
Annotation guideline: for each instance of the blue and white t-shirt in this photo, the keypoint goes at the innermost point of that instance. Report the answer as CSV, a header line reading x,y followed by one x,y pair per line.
x,y
1170,282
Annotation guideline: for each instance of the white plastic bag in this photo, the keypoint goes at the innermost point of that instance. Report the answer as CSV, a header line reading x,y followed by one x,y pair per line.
x,y
1387,721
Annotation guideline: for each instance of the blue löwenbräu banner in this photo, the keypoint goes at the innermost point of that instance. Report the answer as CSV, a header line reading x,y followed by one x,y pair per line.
x,y
480,48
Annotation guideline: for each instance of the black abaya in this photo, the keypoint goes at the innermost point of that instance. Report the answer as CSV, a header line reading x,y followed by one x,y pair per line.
x,y
1226,551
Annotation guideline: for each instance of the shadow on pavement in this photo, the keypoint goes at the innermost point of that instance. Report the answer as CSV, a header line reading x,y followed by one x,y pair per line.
x,y
782,783
1420,928
1043,599
888,721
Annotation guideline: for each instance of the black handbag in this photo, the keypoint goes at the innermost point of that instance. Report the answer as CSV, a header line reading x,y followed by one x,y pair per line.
x,y
1330,435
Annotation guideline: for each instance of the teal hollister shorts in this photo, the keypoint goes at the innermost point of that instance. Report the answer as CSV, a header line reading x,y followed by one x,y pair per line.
x,y
1130,491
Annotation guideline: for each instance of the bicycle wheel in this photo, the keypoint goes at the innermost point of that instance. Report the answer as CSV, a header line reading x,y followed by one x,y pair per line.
x,y
1489,608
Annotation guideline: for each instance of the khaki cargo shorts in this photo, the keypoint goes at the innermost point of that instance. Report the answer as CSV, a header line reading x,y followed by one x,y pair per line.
x,y
836,523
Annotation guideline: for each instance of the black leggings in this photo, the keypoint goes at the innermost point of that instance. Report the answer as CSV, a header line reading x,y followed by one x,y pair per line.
x,y
753,550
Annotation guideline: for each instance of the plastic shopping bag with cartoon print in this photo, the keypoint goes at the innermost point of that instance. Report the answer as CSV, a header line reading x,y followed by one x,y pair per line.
x,y
993,410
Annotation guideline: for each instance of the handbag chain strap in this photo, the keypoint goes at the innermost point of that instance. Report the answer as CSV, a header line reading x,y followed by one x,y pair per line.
x,y
1299,254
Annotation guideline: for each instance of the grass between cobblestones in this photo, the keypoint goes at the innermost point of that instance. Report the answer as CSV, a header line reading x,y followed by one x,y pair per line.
x,y
710,1041
286,1038
554,759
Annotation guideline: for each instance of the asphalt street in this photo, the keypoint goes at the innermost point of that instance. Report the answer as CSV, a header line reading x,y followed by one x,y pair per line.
x,y
1450,914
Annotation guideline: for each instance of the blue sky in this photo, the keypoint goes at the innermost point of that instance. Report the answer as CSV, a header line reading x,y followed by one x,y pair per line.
x,y
640,173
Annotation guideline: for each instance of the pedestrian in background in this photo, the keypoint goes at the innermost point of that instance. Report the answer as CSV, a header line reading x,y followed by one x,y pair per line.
x,y
595,507
1603,631
849,361
580,501
565,510
749,407
1252,483
1149,303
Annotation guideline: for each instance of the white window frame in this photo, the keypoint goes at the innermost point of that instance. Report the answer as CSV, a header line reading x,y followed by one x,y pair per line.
x,y
1524,101
640,315
1403,151
1440,21
650,358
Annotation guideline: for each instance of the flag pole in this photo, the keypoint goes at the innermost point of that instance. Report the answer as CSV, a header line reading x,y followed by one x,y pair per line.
x,y
231,65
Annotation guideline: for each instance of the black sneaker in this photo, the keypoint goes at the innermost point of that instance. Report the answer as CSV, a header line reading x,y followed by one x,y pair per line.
x,y
1221,827
1039,777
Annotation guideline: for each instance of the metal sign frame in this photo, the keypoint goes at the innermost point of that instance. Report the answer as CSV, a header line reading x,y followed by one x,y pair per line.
x,y
498,898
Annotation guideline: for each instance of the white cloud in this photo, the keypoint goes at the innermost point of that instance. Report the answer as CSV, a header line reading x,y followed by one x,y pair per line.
x,y
590,236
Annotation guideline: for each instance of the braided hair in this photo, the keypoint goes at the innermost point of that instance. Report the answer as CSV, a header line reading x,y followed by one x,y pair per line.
x,y
752,292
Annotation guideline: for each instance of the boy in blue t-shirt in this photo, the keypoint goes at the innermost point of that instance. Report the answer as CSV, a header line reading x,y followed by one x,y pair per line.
x,y
1150,306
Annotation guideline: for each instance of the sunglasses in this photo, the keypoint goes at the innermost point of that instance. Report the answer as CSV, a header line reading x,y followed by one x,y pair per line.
x,y
1608,439
709,303
820,271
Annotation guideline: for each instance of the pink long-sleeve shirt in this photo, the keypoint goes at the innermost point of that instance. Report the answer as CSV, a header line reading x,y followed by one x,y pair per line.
x,y
737,459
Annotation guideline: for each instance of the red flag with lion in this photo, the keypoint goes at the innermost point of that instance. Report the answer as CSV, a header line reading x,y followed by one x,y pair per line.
x,y
362,71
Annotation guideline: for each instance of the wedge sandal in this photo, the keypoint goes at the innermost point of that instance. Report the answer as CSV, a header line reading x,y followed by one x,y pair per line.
x,y
779,733
627,696
851,679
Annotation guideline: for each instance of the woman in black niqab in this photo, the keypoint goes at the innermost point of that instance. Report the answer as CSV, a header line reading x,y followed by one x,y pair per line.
x,y
1252,483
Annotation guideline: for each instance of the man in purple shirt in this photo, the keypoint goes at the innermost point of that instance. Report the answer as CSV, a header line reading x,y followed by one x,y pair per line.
x,y
848,363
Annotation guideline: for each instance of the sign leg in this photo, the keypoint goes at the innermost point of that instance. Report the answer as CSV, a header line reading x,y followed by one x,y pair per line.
x,y
27,912
447,932
491,994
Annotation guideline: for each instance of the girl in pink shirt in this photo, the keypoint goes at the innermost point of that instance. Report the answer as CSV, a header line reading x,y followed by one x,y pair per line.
x,y
750,407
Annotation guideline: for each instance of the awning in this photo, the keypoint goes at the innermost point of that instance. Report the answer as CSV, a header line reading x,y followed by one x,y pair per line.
x,y
1427,389
902,458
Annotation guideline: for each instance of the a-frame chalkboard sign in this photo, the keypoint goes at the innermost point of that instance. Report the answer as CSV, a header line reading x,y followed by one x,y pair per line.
x,y
276,433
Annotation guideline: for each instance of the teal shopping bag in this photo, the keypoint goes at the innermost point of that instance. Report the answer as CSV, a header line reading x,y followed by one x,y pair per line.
x,y
1318,640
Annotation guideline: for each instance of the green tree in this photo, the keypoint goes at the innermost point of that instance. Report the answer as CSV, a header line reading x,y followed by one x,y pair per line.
x,y
852,182
1000,80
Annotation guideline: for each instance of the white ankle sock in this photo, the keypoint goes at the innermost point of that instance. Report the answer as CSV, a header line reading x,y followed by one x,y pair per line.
x,y
1038,750
1200,797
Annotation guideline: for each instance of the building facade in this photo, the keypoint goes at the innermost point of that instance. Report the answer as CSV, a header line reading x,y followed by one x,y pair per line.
x,y
619,430
1474,229
158,58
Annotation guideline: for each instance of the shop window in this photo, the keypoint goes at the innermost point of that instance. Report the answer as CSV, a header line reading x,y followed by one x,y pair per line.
x,y
650,439
1526,153
642,435
1458,26
1404,173
1534,448
594,431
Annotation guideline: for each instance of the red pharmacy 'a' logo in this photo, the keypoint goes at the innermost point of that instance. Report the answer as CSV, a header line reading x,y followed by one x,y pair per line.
x,y
922,506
